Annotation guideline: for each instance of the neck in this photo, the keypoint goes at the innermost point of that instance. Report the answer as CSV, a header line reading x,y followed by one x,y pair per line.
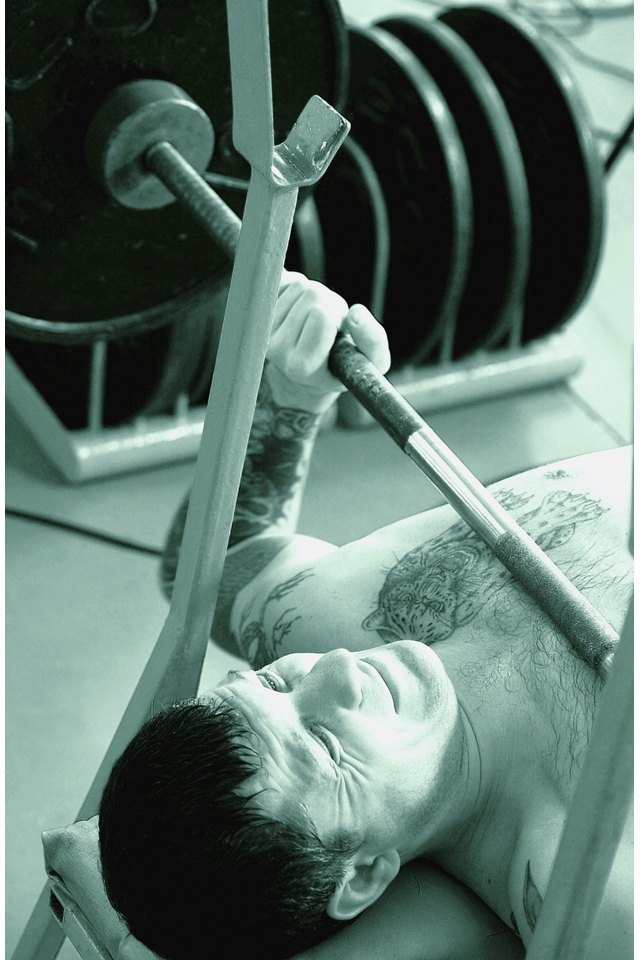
x,y
459,805
489,794
473,798
469,795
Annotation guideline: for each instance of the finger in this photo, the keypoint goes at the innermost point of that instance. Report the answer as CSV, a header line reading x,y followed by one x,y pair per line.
x,y
292,290
326,313
297,295
313,346
290,276
368,335
292,286
286,278
325,305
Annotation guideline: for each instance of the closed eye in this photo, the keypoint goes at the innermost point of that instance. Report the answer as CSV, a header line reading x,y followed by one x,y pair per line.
x,y
328,741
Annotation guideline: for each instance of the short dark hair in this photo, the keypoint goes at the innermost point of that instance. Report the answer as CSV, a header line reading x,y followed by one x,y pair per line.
x,y
186,859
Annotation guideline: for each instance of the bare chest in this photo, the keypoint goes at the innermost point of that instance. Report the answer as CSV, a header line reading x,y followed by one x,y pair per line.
x,y
534,695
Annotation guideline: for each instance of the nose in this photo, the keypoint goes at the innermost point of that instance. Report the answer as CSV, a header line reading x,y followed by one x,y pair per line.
x,y
334,680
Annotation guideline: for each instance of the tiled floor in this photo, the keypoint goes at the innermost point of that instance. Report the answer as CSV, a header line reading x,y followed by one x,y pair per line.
x,y
82,616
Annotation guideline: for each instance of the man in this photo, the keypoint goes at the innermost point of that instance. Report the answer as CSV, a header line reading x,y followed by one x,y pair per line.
x,y
407,748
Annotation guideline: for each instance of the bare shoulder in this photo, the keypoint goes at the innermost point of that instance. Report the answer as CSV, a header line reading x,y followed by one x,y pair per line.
x,y
605,476
428,575
278,591
423,915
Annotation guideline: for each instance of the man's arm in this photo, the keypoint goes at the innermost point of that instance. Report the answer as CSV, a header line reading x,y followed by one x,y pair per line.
x,y
273,477
296,391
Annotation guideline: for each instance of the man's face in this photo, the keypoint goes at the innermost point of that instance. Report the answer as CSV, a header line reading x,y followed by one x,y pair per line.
x,y
365,741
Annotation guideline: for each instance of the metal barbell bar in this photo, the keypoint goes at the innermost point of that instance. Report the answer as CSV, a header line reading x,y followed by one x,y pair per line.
x,y
142,170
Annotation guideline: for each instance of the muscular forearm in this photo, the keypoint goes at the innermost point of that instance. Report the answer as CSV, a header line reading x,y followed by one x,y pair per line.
x,y
274,474
277,462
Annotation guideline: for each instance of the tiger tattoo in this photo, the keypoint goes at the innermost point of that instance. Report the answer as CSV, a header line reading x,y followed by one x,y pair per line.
x,y
440,586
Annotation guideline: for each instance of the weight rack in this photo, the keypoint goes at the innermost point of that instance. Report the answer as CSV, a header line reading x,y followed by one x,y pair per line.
x,y
144,441
99,451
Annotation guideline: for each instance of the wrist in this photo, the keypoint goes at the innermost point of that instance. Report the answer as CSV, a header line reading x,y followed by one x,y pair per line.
x,y
287,393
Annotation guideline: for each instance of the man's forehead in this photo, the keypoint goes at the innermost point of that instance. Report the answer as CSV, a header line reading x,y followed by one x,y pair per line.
x,y
226,692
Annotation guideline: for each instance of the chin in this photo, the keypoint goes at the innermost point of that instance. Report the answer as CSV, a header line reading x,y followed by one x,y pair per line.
x,y
417,656
422,679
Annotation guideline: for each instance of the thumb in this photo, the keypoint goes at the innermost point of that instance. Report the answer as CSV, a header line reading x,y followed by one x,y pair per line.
x,y
368,335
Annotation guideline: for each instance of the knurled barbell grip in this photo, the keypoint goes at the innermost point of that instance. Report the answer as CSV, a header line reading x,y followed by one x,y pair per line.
x,y
373,390
592,637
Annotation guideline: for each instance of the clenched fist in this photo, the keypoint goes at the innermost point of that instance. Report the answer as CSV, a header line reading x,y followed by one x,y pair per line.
x,y
307,318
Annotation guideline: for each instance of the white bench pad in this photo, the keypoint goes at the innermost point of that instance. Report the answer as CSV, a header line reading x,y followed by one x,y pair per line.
x,y
72,857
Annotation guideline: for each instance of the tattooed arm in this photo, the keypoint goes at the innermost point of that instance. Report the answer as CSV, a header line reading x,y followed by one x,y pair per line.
x,y
273,477
296,390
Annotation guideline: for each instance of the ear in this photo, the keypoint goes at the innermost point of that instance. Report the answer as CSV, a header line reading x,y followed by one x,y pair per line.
x,y
363,884
386,631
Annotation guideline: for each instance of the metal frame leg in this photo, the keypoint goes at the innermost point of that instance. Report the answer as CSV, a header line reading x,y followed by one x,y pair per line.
x,y
596,820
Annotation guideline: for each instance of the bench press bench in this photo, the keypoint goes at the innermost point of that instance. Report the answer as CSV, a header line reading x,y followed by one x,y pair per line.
x,y
78,899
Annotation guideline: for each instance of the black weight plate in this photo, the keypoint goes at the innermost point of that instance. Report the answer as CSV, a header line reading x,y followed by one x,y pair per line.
x,y
61,373
306,246
187,351
355,224
144,374
493,300
400,118
563,168
74,254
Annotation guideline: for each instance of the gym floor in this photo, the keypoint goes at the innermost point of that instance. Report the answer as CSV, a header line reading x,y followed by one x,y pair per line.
x,y
82,615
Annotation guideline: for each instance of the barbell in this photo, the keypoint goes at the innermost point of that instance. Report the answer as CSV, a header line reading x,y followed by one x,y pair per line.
x,y
138,170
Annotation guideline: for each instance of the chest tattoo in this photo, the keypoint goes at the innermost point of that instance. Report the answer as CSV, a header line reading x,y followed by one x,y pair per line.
x,y
444,583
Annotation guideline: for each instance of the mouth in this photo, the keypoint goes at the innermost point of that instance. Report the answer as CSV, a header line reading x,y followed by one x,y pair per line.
x,y
383,679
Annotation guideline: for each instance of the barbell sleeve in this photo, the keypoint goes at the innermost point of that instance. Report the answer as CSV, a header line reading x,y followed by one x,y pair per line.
x,y
204,204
